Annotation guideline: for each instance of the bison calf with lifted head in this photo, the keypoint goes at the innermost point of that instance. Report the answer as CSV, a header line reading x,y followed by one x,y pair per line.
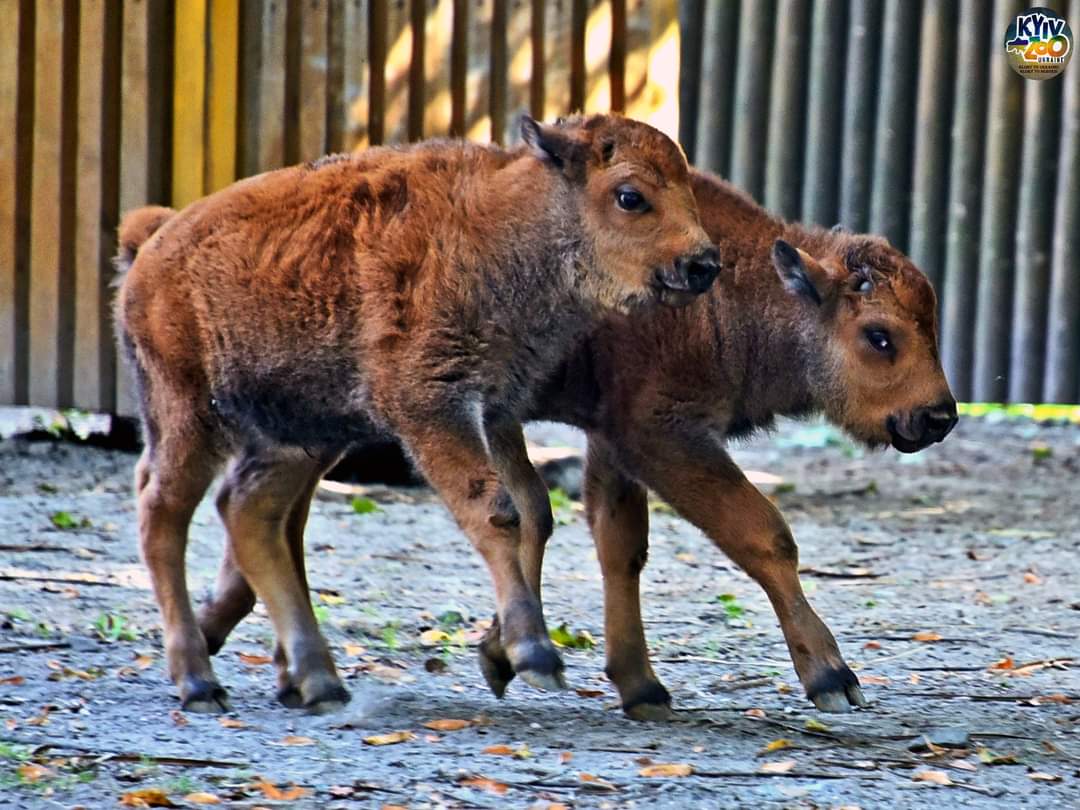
x,y
423,292
803,321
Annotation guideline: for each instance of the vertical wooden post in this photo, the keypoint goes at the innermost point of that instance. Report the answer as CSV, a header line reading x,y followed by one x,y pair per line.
x,y
189,104
312,80
752,80
536,78
1000,192
499,70
221,84
377,33
261,106
1063,329
459,69
860,113
965,201
933,111
354,76
418,21
144,113
16,93
825,102
97,197
1034,238
578,18
890,199
692,28
53,204
617,58
715,117
787,101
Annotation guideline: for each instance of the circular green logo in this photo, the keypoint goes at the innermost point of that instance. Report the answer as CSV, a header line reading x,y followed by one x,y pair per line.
x,y
1039,43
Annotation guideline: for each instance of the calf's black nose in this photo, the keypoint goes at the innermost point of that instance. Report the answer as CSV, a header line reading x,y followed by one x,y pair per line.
x,y
699,270
939,420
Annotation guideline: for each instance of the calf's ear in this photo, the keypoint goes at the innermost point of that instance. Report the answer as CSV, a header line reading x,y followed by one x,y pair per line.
x,y
551,144
801,275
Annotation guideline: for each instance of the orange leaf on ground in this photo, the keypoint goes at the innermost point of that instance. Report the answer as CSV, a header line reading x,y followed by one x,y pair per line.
x,y
872,645
144,661
12,680
1004,663
776,745
202,798
499,750
754,712
565,756
276,794
32,772
926,635
936,777
596,781
231,722
293,739
667,770
254,659
178,718
589,693
778,767
354,649
392,738
877,680
146,797
447,724
483,783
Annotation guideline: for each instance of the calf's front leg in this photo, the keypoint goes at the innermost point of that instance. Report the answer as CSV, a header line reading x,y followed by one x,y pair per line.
x,y
707,488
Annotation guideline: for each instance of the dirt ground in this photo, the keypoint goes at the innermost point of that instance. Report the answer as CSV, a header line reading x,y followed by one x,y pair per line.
x,y
950,579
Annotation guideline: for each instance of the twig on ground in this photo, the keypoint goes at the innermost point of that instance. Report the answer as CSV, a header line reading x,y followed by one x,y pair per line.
x,y
126,756
74,579
35,646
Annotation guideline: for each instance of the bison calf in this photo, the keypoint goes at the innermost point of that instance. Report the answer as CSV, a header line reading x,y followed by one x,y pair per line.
x,y
804,321
421,292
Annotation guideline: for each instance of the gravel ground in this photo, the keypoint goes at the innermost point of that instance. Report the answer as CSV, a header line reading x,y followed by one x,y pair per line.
x,y
949,577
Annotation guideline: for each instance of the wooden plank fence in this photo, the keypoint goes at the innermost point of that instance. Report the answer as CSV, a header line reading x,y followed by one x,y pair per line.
x,y
903,117
898,116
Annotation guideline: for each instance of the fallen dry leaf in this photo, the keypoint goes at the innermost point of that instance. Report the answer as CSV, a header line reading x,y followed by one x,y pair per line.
x,y
914,678
483,783
754,712
589,693
12,680
146,797
565,756
293,739
988,757
178,718
1040,776
392,738
332,598
963,765
1031,578
813,724
872,645
1004,663
202,798
231,722
596,781
936,777
32,772
144,661
433,638
254,659
666,770
876,680
354,650
447,724
783,766
276,794
1041,700
776,745
927,635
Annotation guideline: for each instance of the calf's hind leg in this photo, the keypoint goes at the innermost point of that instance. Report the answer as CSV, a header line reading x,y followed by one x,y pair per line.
x,y
170,479
256,503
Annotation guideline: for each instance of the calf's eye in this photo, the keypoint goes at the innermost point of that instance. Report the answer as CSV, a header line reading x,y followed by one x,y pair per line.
x,y
629,198
880,340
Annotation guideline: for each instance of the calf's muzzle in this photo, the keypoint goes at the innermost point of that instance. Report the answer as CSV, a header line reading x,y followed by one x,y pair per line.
x,y
922,426
688,276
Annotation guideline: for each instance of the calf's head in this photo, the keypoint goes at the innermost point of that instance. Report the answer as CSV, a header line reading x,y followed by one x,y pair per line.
x,y
870,317
636,208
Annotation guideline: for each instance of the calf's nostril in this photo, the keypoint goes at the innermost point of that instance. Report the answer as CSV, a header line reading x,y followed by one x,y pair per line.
x,y
701,274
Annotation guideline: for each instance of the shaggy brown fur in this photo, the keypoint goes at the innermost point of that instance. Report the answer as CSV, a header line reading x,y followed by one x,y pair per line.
x,y
422,292
782,333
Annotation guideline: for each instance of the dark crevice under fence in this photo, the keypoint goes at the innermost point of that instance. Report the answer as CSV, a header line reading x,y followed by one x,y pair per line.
x,y
903,118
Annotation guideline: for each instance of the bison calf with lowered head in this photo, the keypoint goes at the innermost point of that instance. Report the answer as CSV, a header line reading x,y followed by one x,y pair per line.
x,y
423,292
803,321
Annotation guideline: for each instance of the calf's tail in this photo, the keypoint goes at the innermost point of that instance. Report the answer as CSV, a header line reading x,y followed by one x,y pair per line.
x,y
135,228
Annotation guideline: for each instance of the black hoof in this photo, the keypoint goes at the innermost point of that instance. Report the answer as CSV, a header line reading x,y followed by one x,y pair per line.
x,y
329,699
495,667
214,643
289,697
204,696
650,702
836,690
538,664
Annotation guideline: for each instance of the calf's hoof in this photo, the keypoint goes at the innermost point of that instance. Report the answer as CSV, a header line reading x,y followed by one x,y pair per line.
x,y
323,695
289,696
537,663
651,702
203,696
836,690
495,666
